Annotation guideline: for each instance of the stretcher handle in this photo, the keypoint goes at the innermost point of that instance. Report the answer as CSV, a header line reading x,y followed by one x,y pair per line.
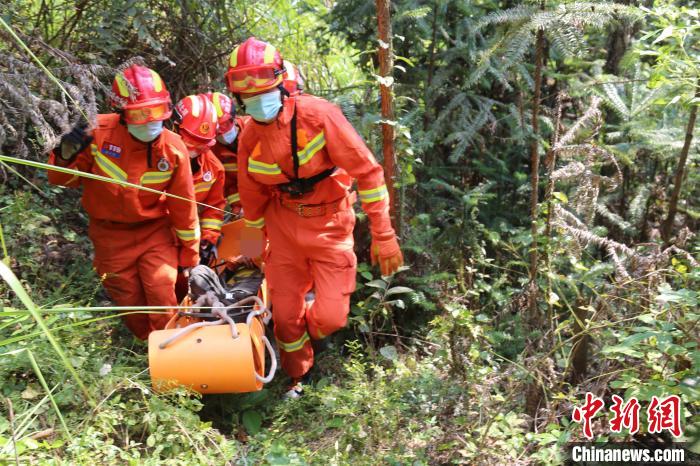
x,y
219,312
184,331
261,311
273,362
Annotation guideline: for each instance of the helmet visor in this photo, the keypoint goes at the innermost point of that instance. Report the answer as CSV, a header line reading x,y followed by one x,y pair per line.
x,y
137,116
254,78
200,145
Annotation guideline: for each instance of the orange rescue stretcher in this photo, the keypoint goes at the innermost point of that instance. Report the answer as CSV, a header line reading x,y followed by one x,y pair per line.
x,y
220,356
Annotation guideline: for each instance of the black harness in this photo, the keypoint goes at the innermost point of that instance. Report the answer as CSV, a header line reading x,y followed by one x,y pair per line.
x,y
300,186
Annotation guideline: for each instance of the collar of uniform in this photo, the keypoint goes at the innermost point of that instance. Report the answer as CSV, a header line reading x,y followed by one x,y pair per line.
x,y
287,111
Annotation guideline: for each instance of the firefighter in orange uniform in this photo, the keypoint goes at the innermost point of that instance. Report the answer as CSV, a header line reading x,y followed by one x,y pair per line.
x,y
292,80
140,238
195,119
297,163
228,131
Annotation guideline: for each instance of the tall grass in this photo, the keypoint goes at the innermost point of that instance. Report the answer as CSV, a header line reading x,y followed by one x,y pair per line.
x,y
13,282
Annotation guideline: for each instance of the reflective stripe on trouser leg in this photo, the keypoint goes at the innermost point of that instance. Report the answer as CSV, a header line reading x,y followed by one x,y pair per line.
x,y
288,280
295,244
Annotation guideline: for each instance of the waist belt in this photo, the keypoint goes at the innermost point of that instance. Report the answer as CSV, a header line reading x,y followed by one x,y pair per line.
x,y
300,186
318,210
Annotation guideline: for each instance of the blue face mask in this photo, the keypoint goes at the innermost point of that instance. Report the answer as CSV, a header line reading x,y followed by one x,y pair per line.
x,y
228,137
264,107
146,132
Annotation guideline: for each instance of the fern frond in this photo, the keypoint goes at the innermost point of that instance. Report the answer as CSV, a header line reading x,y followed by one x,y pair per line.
x,y
518,14
417,13
614,219
612,98
638,206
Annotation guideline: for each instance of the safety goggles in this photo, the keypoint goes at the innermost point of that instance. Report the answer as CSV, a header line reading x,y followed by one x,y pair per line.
x,y
254,78
137,116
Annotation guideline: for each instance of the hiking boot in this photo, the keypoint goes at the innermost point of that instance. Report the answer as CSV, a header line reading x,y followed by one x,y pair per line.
x,y
295,388
319,346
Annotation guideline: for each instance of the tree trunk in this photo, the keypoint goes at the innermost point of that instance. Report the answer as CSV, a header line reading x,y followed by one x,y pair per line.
x,y
431,68
618,42
578,363
386,65
550,162
533,393
534,173
667,227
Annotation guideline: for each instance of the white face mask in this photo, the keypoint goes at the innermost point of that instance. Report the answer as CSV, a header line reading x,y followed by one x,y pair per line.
x,y
193,153
146,132
228,137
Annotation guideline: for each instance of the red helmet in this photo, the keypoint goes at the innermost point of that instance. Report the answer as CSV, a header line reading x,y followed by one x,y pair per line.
x,y
197,125
141,94
225,111
254,66
293,81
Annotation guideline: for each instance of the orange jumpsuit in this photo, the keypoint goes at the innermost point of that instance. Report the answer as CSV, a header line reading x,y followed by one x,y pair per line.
x,y
209,183
139,237
311,243
228,157
208,179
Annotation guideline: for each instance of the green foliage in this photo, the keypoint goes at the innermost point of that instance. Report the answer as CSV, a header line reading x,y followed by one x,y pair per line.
x,y
437,362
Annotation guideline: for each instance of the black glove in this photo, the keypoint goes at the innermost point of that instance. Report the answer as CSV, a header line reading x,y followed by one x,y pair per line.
x,y
74,142
206,252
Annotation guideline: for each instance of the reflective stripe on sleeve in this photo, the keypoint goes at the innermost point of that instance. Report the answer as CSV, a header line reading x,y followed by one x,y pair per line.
x,y
203,186
295,345
187,235
156,177
231,167
373,195
110,168
258,223
233,198
211,223
262,168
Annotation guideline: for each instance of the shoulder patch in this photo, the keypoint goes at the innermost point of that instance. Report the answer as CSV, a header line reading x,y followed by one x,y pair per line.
x,y
111,150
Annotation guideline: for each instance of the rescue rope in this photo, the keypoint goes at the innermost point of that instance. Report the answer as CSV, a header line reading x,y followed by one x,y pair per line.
x,y
70,171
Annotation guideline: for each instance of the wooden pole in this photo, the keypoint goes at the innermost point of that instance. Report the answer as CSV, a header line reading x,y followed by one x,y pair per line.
x,y
667,227
535,174
386,66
